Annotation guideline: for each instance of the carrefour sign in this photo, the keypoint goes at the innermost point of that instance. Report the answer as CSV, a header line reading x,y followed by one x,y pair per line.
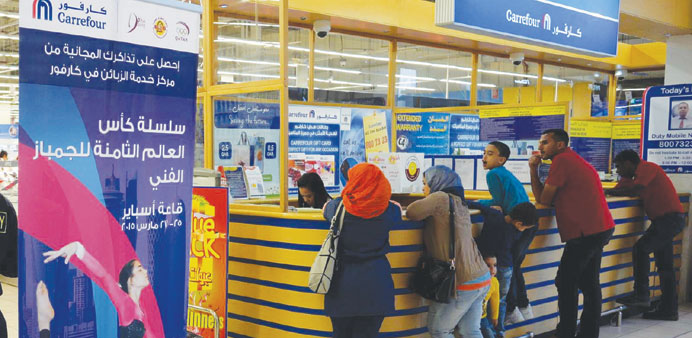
x,y
581,26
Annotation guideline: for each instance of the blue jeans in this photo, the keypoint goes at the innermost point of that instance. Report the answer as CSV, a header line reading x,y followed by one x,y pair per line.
x,y
487,328
504,277
465,311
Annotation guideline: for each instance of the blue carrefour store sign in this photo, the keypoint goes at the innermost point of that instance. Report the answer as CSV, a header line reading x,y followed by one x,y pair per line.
x,y
581,26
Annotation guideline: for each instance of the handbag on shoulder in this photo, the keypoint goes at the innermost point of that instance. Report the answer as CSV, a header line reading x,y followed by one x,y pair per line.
x,y
322,268
435,279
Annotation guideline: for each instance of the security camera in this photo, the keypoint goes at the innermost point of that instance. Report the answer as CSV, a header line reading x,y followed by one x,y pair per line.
x,y
516,58
321,27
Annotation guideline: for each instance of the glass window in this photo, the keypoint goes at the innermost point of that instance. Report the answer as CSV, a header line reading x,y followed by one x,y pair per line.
x,y
351,69
246,133
432,77
630,89
199,133
586,90
500,81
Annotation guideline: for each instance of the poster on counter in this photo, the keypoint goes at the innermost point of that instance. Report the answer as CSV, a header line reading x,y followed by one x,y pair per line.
x,y
520,123
464,135
626,137
247,134
107,122
422,132
667,128
208,260
591,140
403,170
235,179
360,125
313,144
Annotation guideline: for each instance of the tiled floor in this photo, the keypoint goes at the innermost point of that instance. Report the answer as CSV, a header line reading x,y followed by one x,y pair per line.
x,y
633,327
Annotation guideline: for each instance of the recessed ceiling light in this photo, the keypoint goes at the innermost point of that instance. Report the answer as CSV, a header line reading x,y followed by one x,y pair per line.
x,y
223,5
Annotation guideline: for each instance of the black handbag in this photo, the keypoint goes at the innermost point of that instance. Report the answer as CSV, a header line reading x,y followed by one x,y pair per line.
x,y
435,279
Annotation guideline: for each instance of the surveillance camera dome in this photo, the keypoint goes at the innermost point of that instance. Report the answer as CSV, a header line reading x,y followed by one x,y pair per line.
x,y
322,28
516,58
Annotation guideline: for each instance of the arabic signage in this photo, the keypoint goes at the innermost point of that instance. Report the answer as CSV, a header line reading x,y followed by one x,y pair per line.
x,y
667,129
422,133
520,123
626,137
107,113
581,26
208,255
464,135
591,140
313,144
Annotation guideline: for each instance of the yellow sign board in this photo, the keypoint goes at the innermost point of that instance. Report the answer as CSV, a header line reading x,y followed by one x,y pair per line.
x,y
375,130
590,129
627,131
485,113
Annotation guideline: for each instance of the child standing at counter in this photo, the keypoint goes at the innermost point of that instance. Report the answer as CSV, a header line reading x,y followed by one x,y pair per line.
x,y
506,192
492,298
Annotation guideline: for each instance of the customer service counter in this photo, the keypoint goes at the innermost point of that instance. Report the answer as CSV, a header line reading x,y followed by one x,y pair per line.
x,y
270,254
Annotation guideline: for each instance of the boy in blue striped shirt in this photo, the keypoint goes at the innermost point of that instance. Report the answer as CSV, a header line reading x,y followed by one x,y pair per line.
x,y
507,192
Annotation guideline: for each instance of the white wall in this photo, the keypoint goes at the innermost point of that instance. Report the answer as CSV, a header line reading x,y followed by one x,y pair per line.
x,y
679,71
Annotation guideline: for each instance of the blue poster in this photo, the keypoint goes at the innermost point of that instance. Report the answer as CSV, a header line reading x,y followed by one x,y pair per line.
x,y
107,123
464,135
352,144
519,127
593,150
423,133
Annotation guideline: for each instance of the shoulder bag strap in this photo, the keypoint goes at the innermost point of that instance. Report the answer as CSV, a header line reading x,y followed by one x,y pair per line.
x,y
452,237
336,227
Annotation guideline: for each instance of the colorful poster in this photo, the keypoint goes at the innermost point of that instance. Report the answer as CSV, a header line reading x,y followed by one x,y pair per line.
x,y
667,125
626,137
520,123
591,140
313,144
376,133
353,131
423,132
464,135
403,170
107,115
208,255
247,134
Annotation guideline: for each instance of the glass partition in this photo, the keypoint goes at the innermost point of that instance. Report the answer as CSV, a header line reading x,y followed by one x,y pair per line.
x,y
432,77
630,90
500,81
351,69
586,90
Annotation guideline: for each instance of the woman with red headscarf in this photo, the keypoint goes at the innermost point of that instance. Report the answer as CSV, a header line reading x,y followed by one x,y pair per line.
x,y
362,290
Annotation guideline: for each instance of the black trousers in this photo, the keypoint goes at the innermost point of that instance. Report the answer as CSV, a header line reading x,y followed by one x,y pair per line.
x,y
356,327
658,239
579,269
517,287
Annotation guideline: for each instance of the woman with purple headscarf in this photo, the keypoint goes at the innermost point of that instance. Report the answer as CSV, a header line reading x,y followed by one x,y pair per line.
x,y
472,275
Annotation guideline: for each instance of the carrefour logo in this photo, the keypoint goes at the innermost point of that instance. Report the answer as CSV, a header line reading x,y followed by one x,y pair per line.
x,y
43,10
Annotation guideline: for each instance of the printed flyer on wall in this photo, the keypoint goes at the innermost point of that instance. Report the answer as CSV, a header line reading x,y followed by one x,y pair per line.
x,y
107,112
667,128
591,140
208,255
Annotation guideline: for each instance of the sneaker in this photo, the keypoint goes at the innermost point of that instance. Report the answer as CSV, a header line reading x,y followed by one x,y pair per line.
x,y
514,317
526,312
660,315
635,300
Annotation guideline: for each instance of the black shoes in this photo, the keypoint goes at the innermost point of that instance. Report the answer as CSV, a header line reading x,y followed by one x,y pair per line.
x,y
635,300
660,315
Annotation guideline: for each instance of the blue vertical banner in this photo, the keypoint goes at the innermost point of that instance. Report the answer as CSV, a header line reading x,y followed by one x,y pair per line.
x,y
107,123
422,133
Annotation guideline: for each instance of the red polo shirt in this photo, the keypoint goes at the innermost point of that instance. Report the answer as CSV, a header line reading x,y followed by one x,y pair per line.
x,y
580,205
659,195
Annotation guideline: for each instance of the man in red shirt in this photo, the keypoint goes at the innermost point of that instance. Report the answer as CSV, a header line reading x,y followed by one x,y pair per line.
x,y
584,223
662,206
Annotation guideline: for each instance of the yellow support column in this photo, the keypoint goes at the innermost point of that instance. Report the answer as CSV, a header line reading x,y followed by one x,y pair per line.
x,y
474,80
391,88
208,80
311,68
539,84
612,95
283,74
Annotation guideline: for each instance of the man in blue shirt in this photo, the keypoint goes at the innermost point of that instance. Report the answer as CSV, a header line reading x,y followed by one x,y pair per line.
x,y
499,234
506,192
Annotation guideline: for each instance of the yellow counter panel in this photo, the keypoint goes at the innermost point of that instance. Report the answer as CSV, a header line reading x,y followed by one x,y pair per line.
x,y
270,255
